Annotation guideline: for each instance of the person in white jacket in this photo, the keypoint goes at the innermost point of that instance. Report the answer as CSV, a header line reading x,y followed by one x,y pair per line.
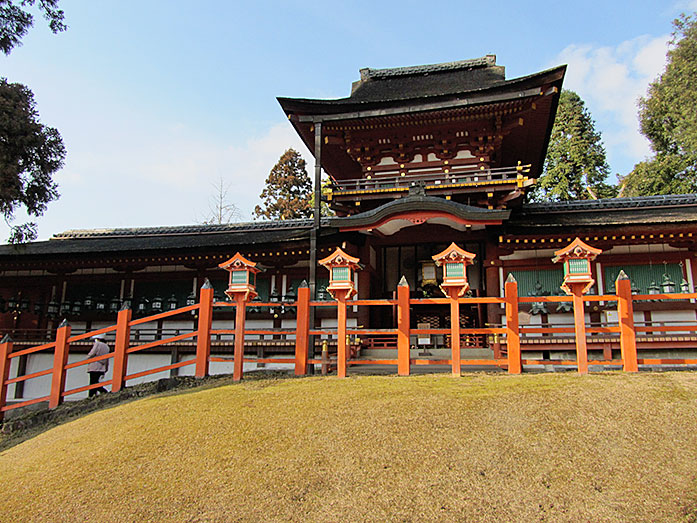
x,y
97,369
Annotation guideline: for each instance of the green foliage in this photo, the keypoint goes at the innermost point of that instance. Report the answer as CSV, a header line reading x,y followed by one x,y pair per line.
x,y
30,153
575,167
15,20
324,208
668,119
288,190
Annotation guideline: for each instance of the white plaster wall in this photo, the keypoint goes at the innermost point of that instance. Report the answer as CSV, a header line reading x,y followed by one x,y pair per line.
x,y
673,318
333,323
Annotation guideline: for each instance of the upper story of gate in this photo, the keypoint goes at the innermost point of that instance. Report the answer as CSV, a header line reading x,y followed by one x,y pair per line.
x,y
456,130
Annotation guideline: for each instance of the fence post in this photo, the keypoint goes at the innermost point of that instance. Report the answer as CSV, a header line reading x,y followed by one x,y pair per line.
x,y
341,351
240,316
5,351
203,338
512,332
625,316
580,328
455,335
302,329
123,338
403,328
60,358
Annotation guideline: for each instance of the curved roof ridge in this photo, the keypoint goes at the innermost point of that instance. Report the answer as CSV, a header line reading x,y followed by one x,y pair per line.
x,y
487,60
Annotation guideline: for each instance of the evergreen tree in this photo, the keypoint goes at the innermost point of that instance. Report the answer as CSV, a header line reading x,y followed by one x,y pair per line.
x,y
15,20
288,190
669,120
30,153
575,167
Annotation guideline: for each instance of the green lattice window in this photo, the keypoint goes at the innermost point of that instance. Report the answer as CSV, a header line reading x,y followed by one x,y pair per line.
x,y
238,277
579,266
454,270
550,280
642,276
340,273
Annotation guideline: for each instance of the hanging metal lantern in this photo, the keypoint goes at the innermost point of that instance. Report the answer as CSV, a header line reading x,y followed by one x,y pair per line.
x,y
114,304
172,303
77,307
88,303
100,304
12,303
24,304
38,308
191,299
538,307
52,308
653,288
142,305
321,294
668,284
684,286
65,308
156,305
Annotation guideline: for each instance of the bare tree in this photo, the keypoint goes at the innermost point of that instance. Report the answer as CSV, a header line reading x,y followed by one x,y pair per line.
x,y
220,208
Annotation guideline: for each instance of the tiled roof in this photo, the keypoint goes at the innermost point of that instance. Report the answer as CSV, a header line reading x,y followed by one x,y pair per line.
x,y
668,200
426,69
184,229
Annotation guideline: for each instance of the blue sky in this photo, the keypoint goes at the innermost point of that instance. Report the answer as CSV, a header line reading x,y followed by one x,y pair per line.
x,y
156,100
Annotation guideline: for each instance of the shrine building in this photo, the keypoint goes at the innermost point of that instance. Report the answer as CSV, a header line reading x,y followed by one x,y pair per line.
x,y
419,158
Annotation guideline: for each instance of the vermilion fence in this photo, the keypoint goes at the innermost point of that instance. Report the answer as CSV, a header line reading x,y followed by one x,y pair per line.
x,y
506,341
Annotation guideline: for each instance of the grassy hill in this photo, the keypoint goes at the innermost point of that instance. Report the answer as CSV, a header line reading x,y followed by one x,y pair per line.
x,y
544,447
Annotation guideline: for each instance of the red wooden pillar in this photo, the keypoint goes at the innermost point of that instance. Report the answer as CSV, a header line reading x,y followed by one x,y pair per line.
x,y
625,313
203,338
403,328
580,327
302,329
60,359
240,316
5,351
341,333
515,365
123,337
455,335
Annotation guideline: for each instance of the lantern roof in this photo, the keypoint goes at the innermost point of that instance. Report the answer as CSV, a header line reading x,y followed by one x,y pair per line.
x,y
339,257
576,249
239,262
453,253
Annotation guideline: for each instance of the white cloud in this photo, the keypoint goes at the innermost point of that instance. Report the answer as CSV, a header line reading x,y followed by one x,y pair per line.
x,y
611,80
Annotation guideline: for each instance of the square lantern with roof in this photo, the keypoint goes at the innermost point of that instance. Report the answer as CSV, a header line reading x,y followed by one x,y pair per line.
x,y
454,261
243,277
577,258
341,267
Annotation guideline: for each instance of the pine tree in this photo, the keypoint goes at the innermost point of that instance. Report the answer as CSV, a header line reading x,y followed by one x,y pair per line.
x,y
575,167
288,190
669,120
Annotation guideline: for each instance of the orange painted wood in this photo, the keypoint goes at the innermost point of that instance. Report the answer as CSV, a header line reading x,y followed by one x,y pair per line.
x,y
60,358
164,368
665,328
166,314
26,377
667,361
625,313
512,329
25,403
374,302
240,316
403,333
455,336
302,331
85,335
123,336
32,350
342,352
417,361
5,350
580,326
203,338
374,362
496,363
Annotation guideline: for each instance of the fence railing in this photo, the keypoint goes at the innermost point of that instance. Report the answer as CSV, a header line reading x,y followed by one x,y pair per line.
x,y
345,346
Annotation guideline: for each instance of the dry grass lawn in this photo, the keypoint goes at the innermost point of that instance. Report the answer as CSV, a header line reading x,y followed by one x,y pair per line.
x,y
543,447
